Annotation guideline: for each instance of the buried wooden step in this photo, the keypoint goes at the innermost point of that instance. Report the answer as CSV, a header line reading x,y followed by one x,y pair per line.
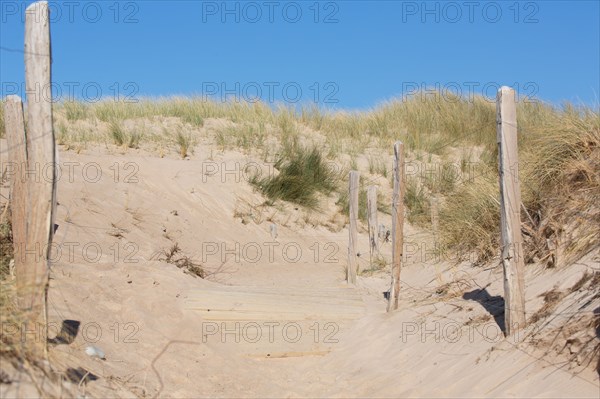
x,y
284,355
240,315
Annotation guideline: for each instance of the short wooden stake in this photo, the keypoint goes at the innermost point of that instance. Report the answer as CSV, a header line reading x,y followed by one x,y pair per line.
x,y
373,225
353,230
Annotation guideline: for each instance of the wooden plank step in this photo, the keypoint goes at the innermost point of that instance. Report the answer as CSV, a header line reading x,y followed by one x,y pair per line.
x,y
248,303
283,355
237,297
337,295
287,291
237,301
271,307
264,315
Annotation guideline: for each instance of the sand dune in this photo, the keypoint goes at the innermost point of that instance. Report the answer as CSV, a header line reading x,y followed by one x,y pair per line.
x,y
280,324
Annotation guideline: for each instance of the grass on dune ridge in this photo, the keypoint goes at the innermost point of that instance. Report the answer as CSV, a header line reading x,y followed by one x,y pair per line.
x,y
451,137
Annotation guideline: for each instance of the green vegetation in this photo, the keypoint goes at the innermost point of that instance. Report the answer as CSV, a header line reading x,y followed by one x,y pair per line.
x,y
117,133
416,201
302,174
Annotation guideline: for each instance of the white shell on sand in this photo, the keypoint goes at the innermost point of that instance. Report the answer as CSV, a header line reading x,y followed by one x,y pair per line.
x,y
94,351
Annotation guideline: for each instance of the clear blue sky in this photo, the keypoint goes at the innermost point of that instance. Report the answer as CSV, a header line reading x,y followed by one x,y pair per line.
x,y
342,54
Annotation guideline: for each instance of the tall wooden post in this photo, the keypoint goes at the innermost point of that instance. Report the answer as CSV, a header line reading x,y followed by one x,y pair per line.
x,y
41,190
510,218
353,234
397,224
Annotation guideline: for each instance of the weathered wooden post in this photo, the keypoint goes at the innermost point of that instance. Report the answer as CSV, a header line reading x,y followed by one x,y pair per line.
x,y
17,158
510,218
372,220
397,224
41,190
353,234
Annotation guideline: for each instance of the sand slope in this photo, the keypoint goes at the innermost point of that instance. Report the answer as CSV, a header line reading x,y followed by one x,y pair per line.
x,y
280,324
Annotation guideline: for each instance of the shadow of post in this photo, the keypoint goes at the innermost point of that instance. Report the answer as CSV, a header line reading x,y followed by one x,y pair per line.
x,y
79,375
67,333
493,304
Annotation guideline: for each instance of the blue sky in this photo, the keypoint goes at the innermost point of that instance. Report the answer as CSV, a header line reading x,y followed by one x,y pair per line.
x,y
339,54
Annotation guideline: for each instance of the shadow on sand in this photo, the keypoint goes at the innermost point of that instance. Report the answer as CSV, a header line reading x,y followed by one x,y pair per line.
x,y
67,333
493,304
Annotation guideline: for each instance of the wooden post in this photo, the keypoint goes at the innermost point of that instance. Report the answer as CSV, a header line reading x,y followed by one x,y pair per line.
x,y
41,190
510,218
372,219
353,235
17,158
397,224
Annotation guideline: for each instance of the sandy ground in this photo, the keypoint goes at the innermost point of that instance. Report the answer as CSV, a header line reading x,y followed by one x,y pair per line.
x,y
274,317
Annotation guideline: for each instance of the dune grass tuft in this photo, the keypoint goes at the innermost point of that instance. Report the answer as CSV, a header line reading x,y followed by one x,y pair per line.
x,y
469,220
117,133
303,172
416,201
74,110
185,143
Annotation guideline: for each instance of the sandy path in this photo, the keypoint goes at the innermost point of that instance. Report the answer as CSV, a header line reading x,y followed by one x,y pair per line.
x,y
262,326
